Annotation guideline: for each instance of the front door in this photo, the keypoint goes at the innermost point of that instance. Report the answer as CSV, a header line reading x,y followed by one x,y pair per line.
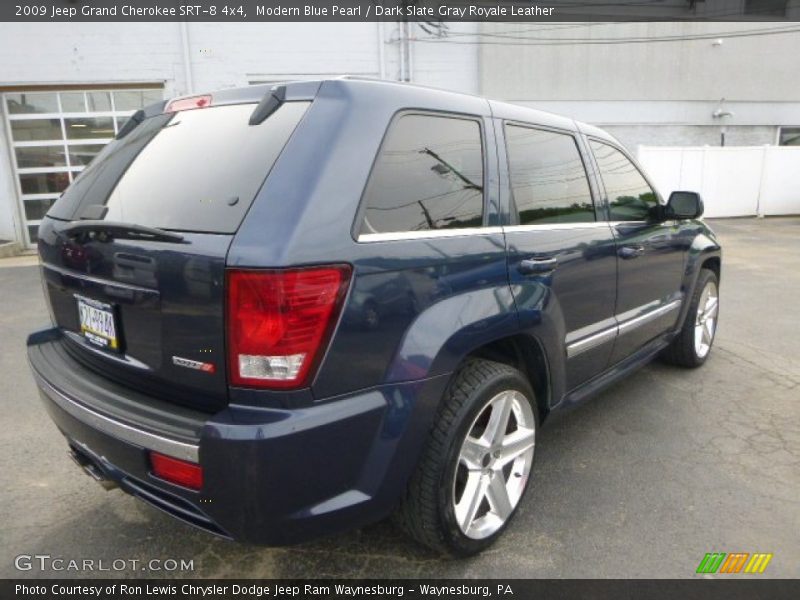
x,y
650,253
561,252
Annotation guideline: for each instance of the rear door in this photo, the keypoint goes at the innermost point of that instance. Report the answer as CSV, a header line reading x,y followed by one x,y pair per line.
x,y
133,253
651,252
560,249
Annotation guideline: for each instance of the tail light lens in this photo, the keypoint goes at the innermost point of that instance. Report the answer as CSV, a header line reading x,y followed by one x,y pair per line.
x,y
279,323
188,103
179,472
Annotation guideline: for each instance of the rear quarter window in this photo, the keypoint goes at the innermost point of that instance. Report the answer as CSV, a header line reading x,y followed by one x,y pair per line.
x,y
428,176
196,170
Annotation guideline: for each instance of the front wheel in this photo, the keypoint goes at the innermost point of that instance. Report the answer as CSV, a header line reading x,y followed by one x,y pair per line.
x,y
476,466
693,344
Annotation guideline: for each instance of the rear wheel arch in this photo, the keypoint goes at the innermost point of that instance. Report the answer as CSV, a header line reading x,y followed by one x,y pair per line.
x,y
526,354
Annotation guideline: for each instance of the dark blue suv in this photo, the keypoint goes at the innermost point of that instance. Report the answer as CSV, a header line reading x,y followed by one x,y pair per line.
x,y
283,311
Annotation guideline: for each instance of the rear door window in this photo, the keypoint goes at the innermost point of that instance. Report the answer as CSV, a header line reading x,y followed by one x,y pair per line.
x,y
428,176
196,170
548,178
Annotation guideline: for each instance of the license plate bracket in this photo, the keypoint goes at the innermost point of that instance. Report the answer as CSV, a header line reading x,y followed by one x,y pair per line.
x,y
98,323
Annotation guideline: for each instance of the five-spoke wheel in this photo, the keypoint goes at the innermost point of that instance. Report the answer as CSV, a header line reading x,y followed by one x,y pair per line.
x,y
494,464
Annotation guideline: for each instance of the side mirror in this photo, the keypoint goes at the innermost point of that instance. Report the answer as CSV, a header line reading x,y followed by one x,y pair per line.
x,y
684,205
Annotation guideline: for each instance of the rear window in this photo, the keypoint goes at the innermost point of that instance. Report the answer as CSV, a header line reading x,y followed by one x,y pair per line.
x,y
429,175
196,170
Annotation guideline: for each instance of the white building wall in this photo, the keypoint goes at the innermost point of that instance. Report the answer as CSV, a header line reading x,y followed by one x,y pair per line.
x,y
38,53
740,69
655,93
452,66
221,55
230,55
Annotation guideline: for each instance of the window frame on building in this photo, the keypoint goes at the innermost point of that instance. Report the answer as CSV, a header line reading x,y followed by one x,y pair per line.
x,y
764,9
781,129
65,143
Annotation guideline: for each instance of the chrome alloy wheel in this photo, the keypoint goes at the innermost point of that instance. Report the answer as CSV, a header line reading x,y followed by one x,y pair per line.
x,y
493,464
706,320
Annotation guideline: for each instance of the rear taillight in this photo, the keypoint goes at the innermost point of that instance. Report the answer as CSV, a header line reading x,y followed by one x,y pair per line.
x,y
179,472
279,323
188,103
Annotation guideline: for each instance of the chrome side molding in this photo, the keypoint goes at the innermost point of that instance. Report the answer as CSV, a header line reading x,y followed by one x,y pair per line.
x,y
626,322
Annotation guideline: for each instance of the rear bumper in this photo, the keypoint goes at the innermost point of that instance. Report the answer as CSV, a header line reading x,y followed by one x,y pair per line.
x,y
271,476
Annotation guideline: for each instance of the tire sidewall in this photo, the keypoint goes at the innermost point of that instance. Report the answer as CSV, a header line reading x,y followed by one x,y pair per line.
x,y
455,539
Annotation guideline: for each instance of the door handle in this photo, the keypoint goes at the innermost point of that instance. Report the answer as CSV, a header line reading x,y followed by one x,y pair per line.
x,y
628,252
534,266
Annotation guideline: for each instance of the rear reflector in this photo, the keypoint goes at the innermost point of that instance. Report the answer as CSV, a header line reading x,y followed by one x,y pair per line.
x,y
188,103
279,323
179,472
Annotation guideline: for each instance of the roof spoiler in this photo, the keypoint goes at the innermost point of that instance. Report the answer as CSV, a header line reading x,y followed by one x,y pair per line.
x,y
139,116
268,105
291,91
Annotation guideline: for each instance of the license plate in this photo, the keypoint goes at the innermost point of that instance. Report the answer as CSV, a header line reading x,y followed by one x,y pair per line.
x,y
98,325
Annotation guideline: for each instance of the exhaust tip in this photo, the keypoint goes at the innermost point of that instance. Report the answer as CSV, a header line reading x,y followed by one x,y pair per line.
x,y
92,470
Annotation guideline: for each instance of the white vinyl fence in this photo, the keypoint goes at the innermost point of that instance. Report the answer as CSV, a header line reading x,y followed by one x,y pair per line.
x,y
734,181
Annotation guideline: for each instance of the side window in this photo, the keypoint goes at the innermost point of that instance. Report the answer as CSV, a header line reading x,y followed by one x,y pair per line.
x,y
429,175
548,179
630,198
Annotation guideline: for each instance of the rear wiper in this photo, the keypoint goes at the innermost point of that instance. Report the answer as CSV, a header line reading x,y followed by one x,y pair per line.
x,y
105,231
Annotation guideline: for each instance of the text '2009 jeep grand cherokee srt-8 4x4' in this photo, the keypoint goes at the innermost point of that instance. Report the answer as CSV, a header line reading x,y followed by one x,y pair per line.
x,y
279,312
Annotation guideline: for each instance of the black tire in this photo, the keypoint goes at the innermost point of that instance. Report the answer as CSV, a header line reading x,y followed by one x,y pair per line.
x,y
682,351
426,512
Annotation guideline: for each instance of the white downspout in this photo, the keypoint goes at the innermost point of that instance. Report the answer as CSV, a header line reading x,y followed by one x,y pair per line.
x,y
402,47
410,50
187,63
381,51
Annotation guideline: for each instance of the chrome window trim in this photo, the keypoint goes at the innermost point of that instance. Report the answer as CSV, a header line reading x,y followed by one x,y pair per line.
x,y
117,429
639,316
555,226
394,236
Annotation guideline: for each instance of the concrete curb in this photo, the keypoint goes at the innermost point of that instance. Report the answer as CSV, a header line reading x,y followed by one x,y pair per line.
x,y
9,249
25,260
